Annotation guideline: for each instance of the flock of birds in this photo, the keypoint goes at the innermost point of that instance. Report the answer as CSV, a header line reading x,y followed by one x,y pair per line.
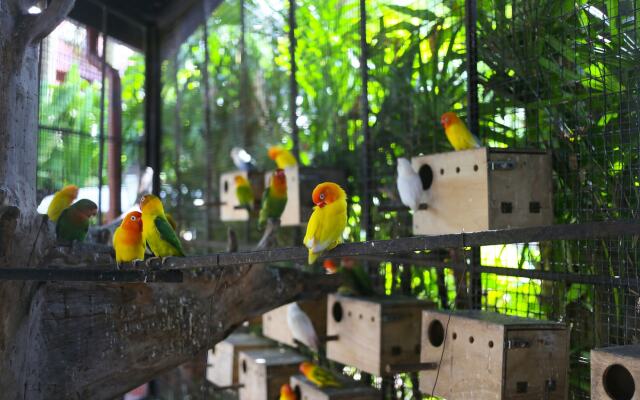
x,y
154,228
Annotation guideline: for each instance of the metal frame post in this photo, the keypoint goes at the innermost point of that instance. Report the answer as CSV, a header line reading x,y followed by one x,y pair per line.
x,y
366,222
152,88
293,83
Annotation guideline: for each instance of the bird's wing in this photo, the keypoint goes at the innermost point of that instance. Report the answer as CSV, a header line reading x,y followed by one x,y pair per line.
x,y
301,328
264,212
167,233
325,377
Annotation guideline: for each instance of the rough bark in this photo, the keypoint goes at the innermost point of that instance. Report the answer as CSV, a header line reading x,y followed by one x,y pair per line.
x,y
96,340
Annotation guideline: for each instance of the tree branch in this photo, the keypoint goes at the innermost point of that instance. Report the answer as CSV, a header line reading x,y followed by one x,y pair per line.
x,y
32,28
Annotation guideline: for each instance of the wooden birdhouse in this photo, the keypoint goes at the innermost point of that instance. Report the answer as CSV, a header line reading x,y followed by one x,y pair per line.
x,y
379,335
350,390
230,209
300,184
483,189
263,372
274,323
479,355
615,373
222,360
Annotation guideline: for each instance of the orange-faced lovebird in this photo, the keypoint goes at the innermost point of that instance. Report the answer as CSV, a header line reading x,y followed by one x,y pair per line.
x,y
156,230
459,136
244,192
61,200
286,393
328,220
318,375
301,327
127,239
282,157
274,199
355,280
409,184
73,222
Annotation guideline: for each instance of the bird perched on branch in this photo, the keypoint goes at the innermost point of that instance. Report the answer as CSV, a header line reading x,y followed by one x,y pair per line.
x,y
355,280
320,376
409,184
242,160
301,327
459,136
274,199
73,222
244,192
328,220
282,157
127,239
156,230
286,393
61,200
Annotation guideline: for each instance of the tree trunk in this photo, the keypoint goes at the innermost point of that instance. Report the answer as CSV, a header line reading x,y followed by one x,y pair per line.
x,y
96,340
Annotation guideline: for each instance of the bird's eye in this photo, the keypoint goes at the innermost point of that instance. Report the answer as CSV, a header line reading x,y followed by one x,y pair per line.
x,y
321,196
133,217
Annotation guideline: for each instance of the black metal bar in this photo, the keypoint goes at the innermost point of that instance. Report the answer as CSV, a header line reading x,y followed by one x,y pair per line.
x,y
208,139
293,83
152,87
471,18
89,275
475,279
366,221
584,231
103,71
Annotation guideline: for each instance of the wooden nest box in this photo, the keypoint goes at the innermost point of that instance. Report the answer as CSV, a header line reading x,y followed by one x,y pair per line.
x,y
300,184
615,373
222,360
483,189
350,390
263,372
274,322
482,355
229,206
379,335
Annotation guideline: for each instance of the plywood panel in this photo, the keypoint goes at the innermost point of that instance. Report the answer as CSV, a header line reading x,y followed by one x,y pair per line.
x,y
274,323
263,372
615,372
350,391
458,197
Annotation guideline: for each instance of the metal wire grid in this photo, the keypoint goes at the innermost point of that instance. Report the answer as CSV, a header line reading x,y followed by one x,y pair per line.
x,y
72,142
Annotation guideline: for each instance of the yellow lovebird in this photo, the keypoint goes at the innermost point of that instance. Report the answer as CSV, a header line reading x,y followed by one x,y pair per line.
x,y
156,230
244,192
459,136
286,393
318,375
282,157
328,220
127,239
61,200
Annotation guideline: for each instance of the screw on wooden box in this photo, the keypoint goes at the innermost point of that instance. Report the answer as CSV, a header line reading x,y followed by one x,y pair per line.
x,y
274,322
350,390
300,184
230,209
483,189
379,335
484,355
615,373
263,372
222,360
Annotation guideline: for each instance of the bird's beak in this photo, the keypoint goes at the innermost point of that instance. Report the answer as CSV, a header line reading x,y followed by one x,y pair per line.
x,y
321,203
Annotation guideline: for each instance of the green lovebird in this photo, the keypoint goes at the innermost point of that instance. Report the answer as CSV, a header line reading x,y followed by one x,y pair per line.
x,y
73,223
244,192
274,199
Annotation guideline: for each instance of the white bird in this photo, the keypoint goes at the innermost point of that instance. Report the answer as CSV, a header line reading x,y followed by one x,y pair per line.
x,y
242,160
301,327
409,184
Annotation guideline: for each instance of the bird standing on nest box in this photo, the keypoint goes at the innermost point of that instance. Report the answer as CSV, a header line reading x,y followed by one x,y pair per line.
x,y
301,327
459,136
61,200
244,192
328,220
320,376
127,239
282,157
156,230
274,199
242,160
286,393
409,185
